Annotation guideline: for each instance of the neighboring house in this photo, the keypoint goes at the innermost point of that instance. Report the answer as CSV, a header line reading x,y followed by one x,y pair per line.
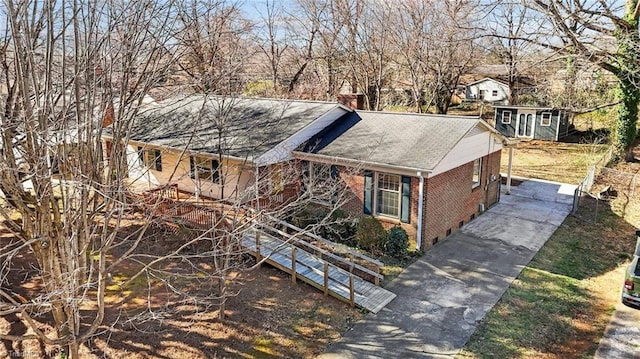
x,y
487,90
428,173
539,123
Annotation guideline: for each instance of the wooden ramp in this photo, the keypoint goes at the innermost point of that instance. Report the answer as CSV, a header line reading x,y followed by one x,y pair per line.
x,y
325,276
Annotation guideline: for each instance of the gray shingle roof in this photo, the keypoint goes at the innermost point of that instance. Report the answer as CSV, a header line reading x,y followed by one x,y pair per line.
x,y
406,140
240,127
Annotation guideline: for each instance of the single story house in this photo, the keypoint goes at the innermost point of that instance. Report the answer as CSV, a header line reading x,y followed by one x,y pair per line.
x,y
212,146
427,173
487,90
538,123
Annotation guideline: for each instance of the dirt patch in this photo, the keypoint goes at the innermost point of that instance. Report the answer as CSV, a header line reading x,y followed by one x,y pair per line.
x,y
269,318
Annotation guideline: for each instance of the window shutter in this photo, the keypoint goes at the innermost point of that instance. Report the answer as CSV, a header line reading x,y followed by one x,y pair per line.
x,y
305,175
215,173
192,167
334,172
368,191
334,177
405,205
158,160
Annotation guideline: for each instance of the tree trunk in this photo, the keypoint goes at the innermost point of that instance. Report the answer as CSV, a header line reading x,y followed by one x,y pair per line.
x,y
627,58
625,129
73,351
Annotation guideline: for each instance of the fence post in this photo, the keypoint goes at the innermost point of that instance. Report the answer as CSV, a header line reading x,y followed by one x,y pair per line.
x,y
376,280
326,279
258,252
576,199
293,265
352,297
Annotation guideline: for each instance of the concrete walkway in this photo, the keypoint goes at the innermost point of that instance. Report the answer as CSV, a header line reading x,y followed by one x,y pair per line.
x,y
442,296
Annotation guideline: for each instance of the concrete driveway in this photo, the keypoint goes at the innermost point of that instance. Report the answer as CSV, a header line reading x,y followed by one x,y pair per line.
x,y
621,339
442,296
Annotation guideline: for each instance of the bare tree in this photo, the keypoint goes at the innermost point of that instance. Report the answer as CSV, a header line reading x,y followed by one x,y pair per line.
x,y
273,40
411,40
66,67
366,42
213,41
508,22
606,34
454,48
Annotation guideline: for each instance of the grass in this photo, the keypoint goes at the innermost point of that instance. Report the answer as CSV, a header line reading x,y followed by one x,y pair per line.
x,y
561,162
561,302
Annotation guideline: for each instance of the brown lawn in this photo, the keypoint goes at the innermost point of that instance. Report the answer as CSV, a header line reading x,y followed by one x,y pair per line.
x,y
269,318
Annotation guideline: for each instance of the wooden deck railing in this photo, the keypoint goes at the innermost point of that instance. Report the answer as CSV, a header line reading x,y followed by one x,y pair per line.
x,y
339,254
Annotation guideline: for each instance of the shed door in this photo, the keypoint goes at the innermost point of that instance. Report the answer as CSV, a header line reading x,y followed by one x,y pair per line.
x,y
525,124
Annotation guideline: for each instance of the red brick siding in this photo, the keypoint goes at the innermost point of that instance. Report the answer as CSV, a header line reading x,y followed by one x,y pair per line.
x,y
354,194
355,202
450,198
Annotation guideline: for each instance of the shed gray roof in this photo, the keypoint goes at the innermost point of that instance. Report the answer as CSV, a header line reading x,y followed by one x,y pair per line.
x,y
239,127
412,141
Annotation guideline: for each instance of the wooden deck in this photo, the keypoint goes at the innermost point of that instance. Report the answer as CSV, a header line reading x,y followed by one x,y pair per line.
x,y
325,276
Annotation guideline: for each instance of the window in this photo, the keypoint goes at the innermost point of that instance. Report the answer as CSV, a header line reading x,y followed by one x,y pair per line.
x,y
320,181
546,119
388,195
205,168
506,117
277,185
151,158
477,172
494,93
483,94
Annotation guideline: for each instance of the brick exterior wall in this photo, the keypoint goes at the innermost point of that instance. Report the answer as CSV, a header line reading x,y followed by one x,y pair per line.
x,y
354,203
451,201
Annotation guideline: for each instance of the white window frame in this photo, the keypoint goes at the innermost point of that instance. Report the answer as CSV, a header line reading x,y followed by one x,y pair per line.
x,y
494,93
506,119
476,176
542,119
377,201
150,158
204,171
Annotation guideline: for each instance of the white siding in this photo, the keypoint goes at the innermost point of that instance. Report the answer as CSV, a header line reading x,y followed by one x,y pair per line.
x,y
237,176
468,149
488,86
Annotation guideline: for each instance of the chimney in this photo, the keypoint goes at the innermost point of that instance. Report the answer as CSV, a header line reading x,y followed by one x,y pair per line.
x,y
108,116
354,101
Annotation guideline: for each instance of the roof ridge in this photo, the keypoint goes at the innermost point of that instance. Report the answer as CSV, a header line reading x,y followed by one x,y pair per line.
x,y
241,97
439,115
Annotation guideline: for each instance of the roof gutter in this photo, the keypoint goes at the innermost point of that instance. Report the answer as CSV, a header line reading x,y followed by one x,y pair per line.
x,y
355,163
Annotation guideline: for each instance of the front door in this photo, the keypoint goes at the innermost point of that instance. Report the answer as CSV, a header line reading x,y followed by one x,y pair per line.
x,y
525,124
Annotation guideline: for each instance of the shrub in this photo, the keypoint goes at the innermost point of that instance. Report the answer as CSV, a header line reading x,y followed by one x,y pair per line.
x,y
341,228
371,235
309,216
397,242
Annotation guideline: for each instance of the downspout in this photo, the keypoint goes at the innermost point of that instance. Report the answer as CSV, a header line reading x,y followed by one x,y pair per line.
x,y
420,211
